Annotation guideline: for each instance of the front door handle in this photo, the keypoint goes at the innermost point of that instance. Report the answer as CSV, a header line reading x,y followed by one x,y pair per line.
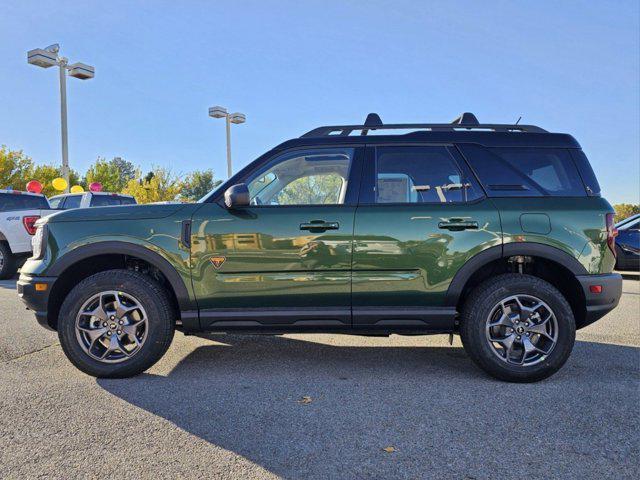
x,y
319,225
458,225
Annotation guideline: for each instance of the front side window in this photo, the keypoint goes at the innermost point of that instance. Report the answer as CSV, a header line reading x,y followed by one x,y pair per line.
x,y
302,177
418,175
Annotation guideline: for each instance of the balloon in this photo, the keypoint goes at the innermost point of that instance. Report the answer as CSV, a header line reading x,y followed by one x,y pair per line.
x,y
34,186
95,187
59,183
77,189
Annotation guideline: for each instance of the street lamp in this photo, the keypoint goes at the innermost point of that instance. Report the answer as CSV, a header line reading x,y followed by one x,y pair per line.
x,y
221,112
48,57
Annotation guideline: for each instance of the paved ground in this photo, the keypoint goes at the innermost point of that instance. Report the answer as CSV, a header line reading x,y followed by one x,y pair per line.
x,y
230,408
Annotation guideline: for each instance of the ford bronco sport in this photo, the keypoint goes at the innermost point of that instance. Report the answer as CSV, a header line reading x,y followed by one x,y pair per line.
x,y
497,233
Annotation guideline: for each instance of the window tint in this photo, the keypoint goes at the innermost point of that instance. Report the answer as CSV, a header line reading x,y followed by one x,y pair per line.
x,y
525,171
309,177
16,201
55,202
72,201
586,172
105,200
127,200
418,175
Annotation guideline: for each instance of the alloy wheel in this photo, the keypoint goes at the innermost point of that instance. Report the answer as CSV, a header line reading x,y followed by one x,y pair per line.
x,y
522,330
111,326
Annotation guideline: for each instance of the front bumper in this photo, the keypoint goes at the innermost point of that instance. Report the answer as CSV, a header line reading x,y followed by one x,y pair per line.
x,y
599,304
36,300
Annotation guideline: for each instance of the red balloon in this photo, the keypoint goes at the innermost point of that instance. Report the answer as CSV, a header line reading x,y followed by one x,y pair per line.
x,y
34,186
95,187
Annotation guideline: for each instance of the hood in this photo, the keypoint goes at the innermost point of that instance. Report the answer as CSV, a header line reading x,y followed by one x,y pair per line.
x,y
124,212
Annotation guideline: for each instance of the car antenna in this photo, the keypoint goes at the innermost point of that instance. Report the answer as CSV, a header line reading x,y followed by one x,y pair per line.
x,y
518,121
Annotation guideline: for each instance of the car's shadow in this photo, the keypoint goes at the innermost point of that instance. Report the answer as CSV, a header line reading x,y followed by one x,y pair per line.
x,y
432,404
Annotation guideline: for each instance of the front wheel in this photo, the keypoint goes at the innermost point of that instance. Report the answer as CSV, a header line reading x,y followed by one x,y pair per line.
x,y
116,324
518,328
7,262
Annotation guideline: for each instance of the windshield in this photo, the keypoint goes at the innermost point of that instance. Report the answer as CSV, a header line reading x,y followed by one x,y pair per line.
x,y
16,201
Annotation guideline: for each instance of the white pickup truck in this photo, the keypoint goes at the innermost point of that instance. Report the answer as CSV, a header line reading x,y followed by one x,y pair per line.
x,y
18,214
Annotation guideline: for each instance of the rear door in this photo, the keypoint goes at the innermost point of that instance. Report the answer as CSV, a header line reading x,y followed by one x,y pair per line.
x,y
421,216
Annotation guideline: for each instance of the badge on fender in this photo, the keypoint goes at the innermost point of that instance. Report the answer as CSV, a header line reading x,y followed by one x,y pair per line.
x,y
217,261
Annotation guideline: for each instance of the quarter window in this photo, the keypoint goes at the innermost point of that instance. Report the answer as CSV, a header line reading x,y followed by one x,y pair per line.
x,y
418,175
309,177
525,172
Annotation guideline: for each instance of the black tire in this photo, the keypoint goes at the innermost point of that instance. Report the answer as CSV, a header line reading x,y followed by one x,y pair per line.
x,y
8,266
152,297
479,306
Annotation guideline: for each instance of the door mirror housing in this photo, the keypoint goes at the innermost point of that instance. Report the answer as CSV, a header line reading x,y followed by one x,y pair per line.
x,y
237,196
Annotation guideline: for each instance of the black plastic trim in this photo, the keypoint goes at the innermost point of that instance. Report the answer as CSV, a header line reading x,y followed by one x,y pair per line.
x,y
544,251
131,249
434,319
508,250
35,301
599,304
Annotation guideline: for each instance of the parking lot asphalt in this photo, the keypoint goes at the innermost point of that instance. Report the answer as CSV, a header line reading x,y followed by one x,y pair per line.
x,y
233,407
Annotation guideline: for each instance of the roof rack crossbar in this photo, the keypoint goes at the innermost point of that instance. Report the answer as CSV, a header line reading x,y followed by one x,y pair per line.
x,y
466,121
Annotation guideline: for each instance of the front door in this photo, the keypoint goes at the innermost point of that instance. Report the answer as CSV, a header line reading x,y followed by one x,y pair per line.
x,y
286,258
421,217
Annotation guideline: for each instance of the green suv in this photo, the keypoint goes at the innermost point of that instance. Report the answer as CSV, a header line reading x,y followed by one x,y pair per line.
x,y
497,233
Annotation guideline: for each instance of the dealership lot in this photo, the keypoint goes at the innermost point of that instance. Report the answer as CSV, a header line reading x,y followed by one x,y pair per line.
x,y
232,407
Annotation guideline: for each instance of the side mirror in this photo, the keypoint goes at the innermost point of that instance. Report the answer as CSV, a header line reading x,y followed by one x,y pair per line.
x,y
237,196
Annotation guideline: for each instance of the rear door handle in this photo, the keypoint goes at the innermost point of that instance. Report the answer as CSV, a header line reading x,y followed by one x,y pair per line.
x,y
457,225
319,225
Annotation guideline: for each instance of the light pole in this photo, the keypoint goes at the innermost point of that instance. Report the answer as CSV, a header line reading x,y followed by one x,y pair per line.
x,y
221,112
48,57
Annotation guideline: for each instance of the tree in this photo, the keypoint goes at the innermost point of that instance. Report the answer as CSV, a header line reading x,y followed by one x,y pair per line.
x,y
15,169
625,210
113,174
45,175
159,185
312,190
198,184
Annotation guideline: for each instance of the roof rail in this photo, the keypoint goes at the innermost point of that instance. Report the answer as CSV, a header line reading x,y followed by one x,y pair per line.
x,y
466,121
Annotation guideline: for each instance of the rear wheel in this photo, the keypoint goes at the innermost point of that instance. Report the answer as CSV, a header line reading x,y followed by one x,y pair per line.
x,y
116,324
8,265
518,328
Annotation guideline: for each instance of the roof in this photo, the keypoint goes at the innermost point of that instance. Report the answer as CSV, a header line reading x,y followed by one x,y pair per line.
x,y
20,192
464,129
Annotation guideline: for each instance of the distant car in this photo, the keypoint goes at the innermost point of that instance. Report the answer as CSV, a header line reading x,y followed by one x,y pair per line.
x,y
68,201
18,214
628,244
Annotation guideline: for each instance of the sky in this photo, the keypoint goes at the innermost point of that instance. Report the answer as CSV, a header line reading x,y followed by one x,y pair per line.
x,y
290,66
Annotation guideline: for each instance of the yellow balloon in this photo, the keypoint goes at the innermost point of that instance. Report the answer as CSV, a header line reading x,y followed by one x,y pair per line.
x,y
59,183
77,189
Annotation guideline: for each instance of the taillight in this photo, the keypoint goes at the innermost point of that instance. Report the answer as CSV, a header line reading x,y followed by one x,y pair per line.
x,y
612,233
30,223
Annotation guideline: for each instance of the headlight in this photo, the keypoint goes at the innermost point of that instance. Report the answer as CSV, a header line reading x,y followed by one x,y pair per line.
x,y
38,242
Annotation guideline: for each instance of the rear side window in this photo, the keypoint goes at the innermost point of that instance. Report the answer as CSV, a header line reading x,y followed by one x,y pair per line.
x,y
418,175
72,201
15,201
525,171
110,200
